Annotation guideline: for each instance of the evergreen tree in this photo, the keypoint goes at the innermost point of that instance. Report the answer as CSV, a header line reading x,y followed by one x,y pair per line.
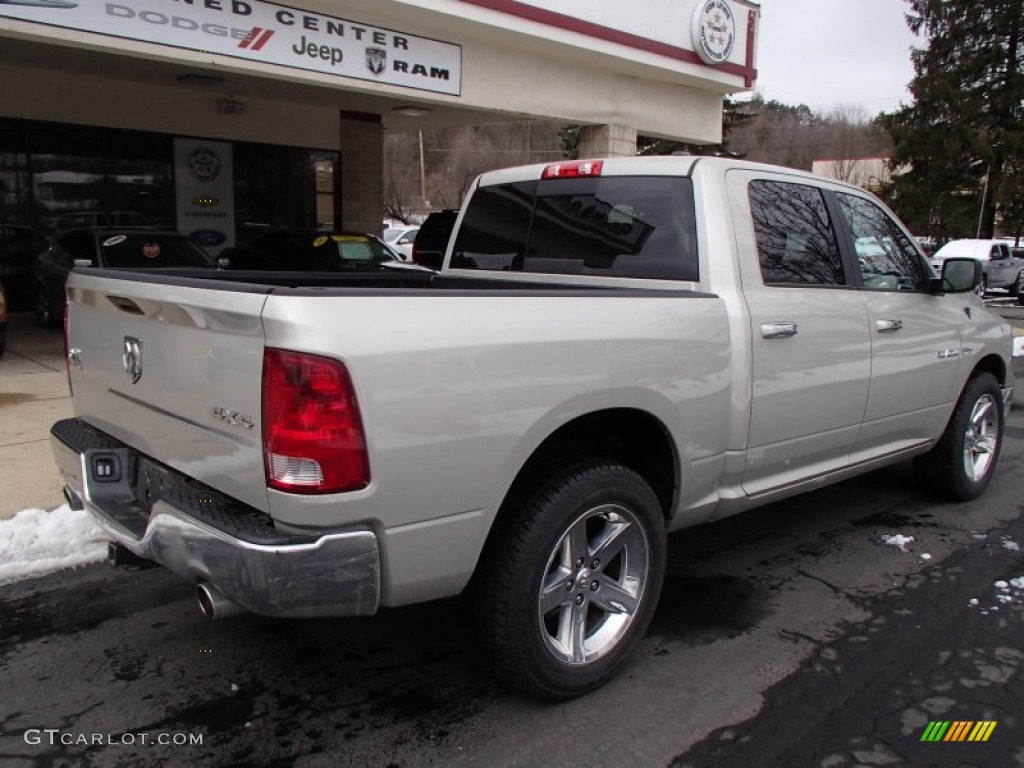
x,y
959,148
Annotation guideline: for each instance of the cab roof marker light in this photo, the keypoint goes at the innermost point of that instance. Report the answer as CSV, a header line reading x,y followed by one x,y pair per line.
x,y
573,170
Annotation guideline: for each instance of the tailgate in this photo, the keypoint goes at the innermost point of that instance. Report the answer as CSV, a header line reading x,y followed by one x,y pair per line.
x,y
173,368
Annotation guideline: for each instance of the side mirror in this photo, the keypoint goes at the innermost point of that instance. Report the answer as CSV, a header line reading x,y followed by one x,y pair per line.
x,y
959,275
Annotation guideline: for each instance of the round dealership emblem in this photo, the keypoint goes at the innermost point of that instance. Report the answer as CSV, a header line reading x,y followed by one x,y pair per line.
x,y
714,31
203,163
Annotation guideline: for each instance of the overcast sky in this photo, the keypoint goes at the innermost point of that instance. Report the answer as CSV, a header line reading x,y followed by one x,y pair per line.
x,y
827,53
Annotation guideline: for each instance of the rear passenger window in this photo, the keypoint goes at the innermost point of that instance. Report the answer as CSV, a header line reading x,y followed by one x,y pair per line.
x,y
493,231
639,227
796,243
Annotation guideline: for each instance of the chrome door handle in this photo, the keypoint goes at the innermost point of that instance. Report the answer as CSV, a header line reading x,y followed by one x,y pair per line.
x,y
781,330
888,326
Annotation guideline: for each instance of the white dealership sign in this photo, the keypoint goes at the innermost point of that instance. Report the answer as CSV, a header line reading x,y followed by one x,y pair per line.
x,y
204,182
265,32
717,31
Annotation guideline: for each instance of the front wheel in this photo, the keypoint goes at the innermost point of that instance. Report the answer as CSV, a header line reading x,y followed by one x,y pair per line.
x,y
573,586
962,463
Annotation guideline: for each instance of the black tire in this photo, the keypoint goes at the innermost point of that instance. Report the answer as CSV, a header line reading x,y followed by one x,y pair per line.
x,y
521,639
46,316
948,468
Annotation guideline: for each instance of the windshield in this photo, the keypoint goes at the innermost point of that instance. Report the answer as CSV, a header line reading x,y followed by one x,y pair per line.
x,y
152,250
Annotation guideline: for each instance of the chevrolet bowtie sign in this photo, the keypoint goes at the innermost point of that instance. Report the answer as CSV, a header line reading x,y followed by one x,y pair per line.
x,y
264,32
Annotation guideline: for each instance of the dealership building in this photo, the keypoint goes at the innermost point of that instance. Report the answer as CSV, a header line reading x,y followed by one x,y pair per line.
x,y
213,116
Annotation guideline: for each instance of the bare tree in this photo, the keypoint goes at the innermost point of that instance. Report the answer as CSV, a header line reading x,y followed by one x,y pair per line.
x,y
402,194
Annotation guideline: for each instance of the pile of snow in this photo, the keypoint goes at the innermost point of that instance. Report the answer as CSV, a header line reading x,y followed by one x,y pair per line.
x,y
35,541
1018,346
898,540
1011,545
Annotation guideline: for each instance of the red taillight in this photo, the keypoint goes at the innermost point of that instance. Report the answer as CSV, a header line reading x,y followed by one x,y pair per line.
x,y
572,170
415,252
313,440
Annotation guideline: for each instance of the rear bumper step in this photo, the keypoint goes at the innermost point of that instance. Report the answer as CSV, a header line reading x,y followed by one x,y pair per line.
x,y
206,537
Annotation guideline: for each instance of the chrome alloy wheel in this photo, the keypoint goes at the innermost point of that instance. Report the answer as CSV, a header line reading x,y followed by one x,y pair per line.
x,y
593,584
980,440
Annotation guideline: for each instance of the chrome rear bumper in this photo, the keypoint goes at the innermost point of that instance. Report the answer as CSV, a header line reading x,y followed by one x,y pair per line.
x,y
334,574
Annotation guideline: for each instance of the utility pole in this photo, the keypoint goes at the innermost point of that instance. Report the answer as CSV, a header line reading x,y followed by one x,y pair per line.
x,y
984,196
423,174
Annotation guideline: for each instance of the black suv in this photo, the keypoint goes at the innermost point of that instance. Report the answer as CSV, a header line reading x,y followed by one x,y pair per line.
x,y
432,240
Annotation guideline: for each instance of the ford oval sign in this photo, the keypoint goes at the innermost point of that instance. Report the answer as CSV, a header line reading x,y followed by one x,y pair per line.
x,y
207,237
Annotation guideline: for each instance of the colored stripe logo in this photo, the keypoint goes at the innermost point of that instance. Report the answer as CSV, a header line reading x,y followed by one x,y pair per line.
x,y
958,730
256,39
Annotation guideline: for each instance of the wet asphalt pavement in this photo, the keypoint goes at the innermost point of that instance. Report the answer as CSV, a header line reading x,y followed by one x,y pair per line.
x,y
789,636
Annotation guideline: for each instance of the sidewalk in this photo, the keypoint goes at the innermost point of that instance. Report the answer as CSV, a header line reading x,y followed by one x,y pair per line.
x,y
33,395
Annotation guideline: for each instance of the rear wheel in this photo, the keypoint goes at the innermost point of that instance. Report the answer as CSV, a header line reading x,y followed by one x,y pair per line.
x,y
962,463
573,586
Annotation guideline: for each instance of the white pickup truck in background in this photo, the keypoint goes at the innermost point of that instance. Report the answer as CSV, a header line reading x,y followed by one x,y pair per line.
x,y
613,350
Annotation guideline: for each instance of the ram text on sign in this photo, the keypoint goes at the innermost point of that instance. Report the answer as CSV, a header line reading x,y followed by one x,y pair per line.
x,y
265,32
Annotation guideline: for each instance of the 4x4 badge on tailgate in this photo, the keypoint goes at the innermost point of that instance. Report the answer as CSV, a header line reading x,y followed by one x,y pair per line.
x,y
132,358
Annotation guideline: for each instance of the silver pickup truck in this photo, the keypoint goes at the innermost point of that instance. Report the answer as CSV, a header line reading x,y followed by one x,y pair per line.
x,y
613,350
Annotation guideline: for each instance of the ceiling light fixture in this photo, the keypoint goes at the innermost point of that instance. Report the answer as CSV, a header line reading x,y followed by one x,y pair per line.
x,y
412,111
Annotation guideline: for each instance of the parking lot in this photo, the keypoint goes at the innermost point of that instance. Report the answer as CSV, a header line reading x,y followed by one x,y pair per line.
x,y
789,636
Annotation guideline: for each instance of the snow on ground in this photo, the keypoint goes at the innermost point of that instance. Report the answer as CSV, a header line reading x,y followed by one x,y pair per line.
x,y
1006,593
35,541
1018,346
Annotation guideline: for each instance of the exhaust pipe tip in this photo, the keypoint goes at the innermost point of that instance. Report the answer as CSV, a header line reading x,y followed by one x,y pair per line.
x,y
214,604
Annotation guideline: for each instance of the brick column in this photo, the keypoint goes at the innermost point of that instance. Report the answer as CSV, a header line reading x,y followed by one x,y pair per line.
x,y
607,141
362,172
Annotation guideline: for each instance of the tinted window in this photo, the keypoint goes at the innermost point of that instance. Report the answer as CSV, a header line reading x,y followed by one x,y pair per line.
x,y
494,229
887,259
607,226
76,245
151,250
616,226
796,243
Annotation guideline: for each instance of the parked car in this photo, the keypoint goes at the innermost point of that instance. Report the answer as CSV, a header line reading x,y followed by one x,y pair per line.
x,y
432,240
301,250
122,248
1020,288
18,248
401,240
613,350
3,320
1000,267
